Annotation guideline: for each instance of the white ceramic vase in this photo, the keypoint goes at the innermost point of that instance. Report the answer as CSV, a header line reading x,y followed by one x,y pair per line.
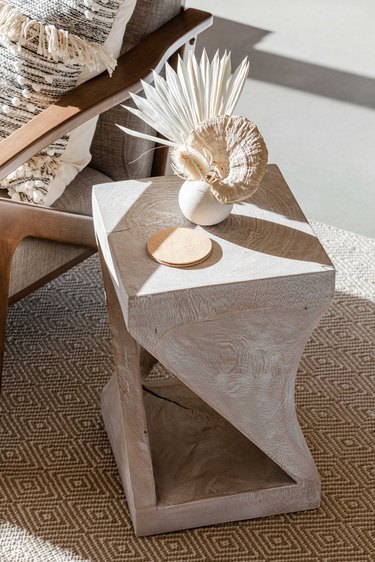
x,y
199,205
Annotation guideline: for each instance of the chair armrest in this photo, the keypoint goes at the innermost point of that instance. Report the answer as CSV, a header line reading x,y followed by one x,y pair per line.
x,y
102,92
20,220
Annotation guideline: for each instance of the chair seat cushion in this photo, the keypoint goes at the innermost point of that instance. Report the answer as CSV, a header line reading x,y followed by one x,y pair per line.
x,y
77,196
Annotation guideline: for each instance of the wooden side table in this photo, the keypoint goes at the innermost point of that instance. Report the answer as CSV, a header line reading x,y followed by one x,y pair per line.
x,y
220,441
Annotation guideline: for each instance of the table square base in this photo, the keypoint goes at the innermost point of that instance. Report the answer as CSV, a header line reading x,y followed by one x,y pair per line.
x,y
205,470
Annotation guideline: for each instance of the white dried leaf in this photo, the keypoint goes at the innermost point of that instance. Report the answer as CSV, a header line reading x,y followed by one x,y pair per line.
x,y
174,106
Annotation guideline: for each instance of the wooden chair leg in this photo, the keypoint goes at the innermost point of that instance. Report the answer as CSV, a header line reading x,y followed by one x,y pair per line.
x,y
7,247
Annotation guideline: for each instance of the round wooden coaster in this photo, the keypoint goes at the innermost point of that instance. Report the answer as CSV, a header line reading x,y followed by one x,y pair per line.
x,y
179,247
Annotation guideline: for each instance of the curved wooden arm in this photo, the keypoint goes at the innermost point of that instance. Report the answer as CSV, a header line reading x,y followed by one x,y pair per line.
x,y
20,220
102,92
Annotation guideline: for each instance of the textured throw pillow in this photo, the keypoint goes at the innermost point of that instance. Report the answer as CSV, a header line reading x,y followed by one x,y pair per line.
x,y
47,47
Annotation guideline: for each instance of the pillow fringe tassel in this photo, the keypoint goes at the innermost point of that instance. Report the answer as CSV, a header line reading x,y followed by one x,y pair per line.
x,y
34,170
53,43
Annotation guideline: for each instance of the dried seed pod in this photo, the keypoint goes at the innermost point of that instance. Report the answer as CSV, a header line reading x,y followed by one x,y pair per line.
x,y
190,163
238,156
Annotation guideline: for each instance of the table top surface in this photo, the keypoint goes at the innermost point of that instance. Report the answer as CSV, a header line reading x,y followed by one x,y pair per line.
x,y
266,237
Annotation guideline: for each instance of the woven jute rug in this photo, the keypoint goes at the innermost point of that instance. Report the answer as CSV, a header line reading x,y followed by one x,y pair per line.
x,y
60,496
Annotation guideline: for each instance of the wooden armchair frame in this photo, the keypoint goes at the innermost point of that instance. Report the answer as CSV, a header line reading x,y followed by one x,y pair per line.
x,y
23,220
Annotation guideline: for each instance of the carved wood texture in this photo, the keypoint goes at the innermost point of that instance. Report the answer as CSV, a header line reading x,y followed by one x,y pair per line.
x,y
232,330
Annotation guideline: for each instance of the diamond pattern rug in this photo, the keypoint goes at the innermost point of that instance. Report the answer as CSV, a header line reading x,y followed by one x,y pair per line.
x,y
60,496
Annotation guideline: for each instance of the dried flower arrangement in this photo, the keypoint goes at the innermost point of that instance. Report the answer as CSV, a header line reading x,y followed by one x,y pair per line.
x,y
193,109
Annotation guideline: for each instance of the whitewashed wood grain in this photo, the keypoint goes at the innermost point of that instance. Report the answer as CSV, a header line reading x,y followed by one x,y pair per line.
x,y
245,370
259,240
232,330
123,412
244,366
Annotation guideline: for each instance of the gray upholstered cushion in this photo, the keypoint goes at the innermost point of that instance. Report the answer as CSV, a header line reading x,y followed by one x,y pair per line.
x,y
77,196
116,162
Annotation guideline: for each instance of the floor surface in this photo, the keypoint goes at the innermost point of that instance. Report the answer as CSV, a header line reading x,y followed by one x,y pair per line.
x,y
311,91
60,494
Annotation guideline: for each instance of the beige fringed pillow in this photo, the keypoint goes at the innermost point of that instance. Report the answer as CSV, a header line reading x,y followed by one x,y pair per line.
x,y
47,47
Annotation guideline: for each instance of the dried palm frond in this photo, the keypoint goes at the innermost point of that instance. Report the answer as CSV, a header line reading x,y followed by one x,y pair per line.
x,y
174,106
